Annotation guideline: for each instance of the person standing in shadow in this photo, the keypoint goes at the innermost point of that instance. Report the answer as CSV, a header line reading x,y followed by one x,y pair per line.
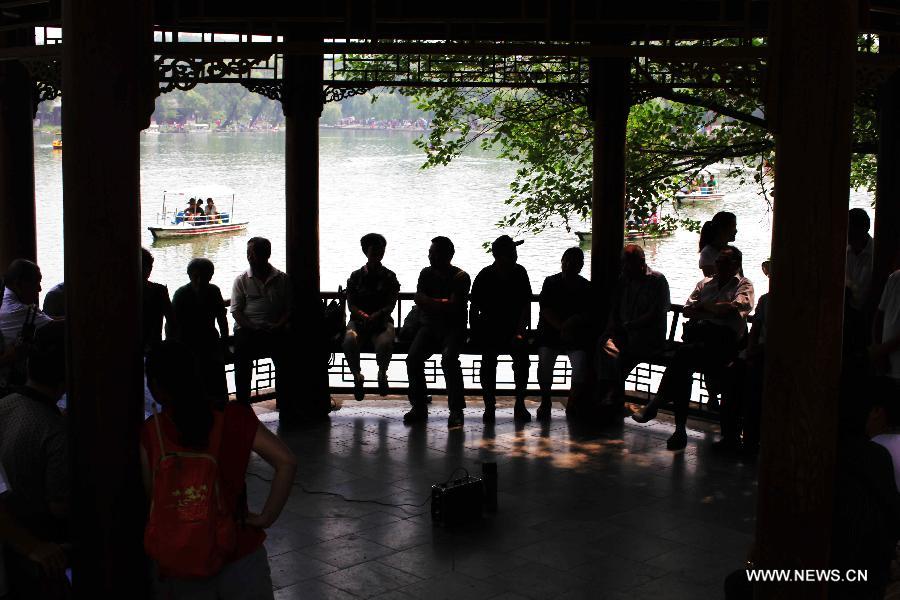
x,y
197,308
156,303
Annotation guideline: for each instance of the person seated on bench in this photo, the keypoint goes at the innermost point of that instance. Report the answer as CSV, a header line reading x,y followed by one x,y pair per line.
x,y
261,307
741,410
564,327
717,309
371,295
442,297
499,316
637,324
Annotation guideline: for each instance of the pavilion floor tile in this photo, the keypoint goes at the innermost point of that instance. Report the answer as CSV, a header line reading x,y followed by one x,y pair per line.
x,y
292,567
452,586
401,535
346,551
598,513
312,590
614,573
538,581
369,579
423,561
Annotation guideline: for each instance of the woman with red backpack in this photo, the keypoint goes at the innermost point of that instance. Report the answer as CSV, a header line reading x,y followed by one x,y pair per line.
x,y
200,534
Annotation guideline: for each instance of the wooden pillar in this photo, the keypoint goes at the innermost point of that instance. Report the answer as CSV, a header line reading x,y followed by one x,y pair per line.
x,y
610,104
887,195
18,230
813,45
302,103
106,95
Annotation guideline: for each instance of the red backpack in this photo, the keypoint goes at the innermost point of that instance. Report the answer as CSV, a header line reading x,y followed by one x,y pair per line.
x,y
189,533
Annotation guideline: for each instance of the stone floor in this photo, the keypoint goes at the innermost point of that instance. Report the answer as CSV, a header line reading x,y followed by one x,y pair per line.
x,y
582,514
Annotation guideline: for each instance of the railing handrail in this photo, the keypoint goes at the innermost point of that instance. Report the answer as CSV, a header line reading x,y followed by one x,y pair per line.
x,y
334,295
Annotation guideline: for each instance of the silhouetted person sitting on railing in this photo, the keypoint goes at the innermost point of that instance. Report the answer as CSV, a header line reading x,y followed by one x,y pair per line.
x,y
717,309
197,308
741,409
156,304
499,317
261,307
636,327
564,327
34,455
442,296
190,446
371,296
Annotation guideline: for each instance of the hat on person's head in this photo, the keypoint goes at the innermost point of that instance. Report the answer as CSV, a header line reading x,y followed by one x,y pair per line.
x,y
504,242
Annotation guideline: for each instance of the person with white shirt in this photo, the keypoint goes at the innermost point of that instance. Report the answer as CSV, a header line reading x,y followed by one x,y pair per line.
x,y
261,307
885,349
20,317
23,284
717,309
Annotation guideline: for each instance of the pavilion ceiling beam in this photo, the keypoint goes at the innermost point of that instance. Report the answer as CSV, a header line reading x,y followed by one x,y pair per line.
x,y
248,49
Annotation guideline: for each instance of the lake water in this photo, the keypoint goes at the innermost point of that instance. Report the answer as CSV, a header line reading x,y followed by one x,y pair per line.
x,y
371,180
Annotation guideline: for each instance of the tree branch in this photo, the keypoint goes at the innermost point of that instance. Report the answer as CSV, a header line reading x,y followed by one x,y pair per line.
x,y
670,94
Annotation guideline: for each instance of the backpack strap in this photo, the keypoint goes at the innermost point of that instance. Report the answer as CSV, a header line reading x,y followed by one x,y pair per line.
x,y
159,435
216,437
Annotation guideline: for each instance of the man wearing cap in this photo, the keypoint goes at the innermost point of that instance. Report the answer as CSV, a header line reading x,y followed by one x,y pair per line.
x,y
499,316
442,297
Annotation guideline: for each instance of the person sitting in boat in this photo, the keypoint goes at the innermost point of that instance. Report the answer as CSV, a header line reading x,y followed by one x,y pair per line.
x,y
712,184
191,210
212,213
199,214
714,236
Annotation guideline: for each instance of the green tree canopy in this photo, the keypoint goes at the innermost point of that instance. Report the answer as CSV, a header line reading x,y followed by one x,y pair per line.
x,y
672,136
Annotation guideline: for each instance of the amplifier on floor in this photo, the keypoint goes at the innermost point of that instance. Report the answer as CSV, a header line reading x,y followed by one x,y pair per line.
x,y
459,501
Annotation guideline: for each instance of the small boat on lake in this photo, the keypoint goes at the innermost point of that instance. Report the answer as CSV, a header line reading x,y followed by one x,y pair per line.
x,y
701,195
56,144
176,222
647,232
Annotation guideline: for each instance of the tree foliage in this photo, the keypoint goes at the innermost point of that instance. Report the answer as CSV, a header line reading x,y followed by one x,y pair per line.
x,y
671,138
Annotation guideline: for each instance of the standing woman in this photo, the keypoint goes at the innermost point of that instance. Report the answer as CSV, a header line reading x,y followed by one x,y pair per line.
x,y
714,236
232,563
198,307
